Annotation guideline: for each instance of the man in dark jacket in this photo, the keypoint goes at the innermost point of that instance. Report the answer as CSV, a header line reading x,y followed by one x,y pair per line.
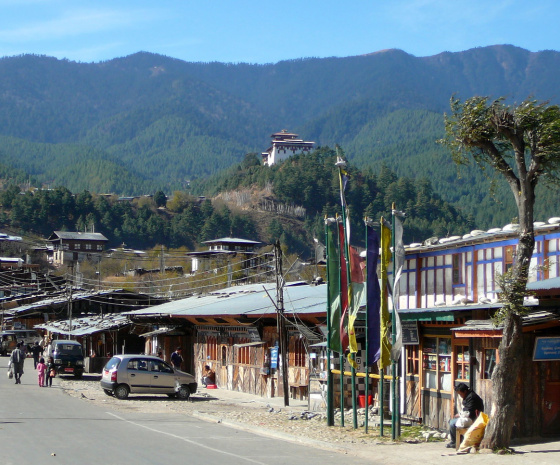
x,y
17,358
37,351
177,358
472,403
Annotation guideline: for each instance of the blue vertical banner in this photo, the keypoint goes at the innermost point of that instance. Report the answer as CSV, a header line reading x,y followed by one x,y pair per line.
x,y
373,297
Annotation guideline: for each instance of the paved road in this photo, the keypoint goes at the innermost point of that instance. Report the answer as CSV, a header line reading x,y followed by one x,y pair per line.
x,y
38,422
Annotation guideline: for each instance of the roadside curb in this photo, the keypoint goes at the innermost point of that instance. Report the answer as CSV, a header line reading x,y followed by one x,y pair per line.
x,y
273,433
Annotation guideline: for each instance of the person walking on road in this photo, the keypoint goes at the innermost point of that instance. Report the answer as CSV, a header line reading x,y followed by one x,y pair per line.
x,y
41,369
37,351
17,358
50,372
177,358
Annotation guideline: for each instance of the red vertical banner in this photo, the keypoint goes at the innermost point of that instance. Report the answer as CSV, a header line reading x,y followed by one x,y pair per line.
x,y
343,291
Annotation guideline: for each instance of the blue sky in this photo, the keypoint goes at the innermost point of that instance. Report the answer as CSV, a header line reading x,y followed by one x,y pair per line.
x,y
268,32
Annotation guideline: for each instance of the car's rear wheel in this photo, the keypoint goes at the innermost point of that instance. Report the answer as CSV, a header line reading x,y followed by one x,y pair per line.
x,y
78,375
184,392
121,391
108,392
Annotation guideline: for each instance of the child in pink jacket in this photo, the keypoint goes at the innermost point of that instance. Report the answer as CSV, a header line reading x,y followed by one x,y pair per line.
x,y
41,368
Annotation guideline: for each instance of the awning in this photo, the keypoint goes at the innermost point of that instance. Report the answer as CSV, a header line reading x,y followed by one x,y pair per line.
x,y
155,332
428,316
319,344
249,344
307,332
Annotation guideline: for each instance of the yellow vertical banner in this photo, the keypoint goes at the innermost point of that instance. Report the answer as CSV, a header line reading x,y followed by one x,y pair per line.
x,y
385,359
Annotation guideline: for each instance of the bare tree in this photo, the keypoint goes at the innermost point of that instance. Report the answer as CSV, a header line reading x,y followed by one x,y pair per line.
x,y
522,144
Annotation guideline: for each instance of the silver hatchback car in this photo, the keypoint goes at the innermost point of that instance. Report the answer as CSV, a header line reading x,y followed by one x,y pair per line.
x,y
145,374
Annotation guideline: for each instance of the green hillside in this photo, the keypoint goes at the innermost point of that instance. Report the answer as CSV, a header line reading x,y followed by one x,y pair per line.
x,y
145,122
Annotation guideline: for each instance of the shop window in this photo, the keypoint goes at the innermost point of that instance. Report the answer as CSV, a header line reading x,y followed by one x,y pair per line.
x,y
462,366
243,353
212,348
457,272
490,360
224,356
509,252
436,363
296,352
413,359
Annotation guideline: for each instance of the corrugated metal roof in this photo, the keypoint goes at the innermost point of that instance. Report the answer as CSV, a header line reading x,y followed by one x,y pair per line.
x,y
61,299
86,325
232,240
78,235
532,318
443,313
544,285
244,300
476,237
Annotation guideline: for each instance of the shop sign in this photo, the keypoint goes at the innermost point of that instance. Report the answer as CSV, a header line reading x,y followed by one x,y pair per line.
x,y
546,348
410,332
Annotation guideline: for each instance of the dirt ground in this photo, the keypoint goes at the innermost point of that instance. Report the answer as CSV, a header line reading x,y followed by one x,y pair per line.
x,y
295,421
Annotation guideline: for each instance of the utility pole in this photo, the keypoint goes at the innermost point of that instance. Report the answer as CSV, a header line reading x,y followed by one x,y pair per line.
x,y
282,336
70,300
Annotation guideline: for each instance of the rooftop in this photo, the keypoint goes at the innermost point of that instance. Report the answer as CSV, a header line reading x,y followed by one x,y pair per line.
x,y
249,300
232,240
88,236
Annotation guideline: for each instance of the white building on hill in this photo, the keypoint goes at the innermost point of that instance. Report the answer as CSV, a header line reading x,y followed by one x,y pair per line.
x,y
284,145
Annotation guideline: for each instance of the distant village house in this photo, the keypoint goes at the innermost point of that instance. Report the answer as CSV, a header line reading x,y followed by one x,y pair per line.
x,y
72,247
220,251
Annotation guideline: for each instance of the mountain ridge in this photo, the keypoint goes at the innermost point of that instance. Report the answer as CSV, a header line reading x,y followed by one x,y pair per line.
x,y
164,121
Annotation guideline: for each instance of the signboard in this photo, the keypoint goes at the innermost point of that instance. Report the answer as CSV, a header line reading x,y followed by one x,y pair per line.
x,y
410,332
254,335
546,348
274,357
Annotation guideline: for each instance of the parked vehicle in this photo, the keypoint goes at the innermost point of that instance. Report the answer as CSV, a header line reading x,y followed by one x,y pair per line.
x,y
11,337
68,357
145,374
27,336
8,342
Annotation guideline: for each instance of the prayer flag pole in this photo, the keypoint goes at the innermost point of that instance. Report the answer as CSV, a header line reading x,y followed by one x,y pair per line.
x,y
367,333
330,390
394,413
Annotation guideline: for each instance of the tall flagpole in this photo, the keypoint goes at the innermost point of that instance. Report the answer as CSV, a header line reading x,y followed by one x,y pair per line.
x,y
340,355
381,337
340,163
330,390
367,334
395,404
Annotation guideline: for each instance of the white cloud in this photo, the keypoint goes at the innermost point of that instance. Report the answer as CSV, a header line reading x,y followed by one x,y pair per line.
x,y
77,23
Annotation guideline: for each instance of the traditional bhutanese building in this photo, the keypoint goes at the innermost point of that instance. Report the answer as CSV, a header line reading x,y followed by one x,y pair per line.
x,y
72,247
220,251
284,145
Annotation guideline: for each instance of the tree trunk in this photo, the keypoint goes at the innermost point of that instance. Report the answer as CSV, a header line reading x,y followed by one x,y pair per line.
x,y
504,383
506,375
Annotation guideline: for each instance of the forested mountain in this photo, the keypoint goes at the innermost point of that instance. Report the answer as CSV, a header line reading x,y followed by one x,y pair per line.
x,y
300,191
144,122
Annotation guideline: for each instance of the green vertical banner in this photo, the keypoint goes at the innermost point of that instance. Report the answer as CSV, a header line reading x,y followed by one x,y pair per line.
x,y
333,284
